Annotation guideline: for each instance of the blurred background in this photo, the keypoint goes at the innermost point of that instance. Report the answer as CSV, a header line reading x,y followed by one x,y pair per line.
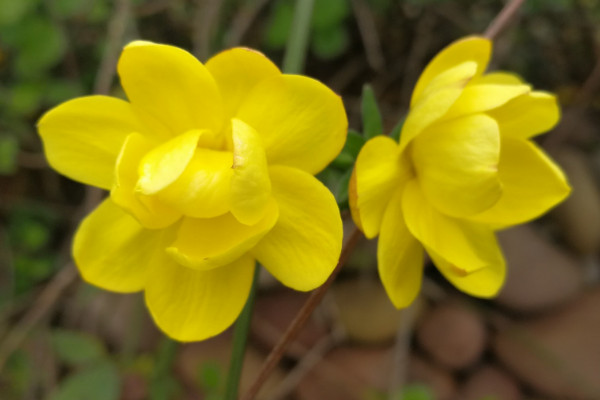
x,y
62,339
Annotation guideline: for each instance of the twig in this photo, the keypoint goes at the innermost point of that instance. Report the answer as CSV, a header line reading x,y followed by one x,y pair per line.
x,y
242,21
503,18
399,370
115,34
310,359
205,18
37,311
300,319
368,33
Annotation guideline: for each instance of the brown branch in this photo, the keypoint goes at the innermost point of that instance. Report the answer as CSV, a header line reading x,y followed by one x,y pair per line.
x,y
309,306
503,18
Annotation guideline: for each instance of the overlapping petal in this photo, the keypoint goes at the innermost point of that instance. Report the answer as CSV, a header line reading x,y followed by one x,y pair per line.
x,y
457,164
206,243
485,282
250,183
302,123
483,96
378,172
162,165
431,109
203,190
191,305
148,210
467,246
82,137
399,256
527,115
531,185
303,247
236,72
170,89
113,251
475,49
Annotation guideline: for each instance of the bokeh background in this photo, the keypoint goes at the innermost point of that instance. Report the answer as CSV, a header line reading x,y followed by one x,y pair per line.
x,y
62,339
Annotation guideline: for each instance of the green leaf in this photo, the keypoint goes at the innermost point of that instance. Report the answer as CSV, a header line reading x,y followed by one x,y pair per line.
x,y
347,157
329,14
12,11
76,348
97,382
9,150
41,45
25,98
395,133
371,116
279,24
69,8
416,392
330,43
341,195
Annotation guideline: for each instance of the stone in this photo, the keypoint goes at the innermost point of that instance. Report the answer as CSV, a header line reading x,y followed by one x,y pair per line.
x,y
579,214
365,311
539,274
490,382
453,335
557,354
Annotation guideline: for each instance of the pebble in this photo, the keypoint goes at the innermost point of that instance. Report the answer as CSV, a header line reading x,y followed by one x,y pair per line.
x,y
539,274
490,382
557,354
579,214
439,380
365,311
453,335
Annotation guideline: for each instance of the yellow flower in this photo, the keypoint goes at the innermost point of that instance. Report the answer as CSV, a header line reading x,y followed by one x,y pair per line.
x,y
465,167
210,167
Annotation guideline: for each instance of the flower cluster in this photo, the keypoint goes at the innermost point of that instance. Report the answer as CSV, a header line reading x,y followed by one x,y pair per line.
x,y
464,167
210,168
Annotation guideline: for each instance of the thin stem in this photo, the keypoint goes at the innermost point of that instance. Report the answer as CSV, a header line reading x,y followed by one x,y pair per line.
x,y
240,337
298,323
164,361
503,18
295,51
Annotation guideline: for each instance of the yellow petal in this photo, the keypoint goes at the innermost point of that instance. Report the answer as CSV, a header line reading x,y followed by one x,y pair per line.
x,y
378,173
481,96
485,282
82,137
468,246
208,243
457,164
476,49
250,184
164,164
458,76
499,78
112,250
531,183
303,247
302,123
168,86
190,305
148,210
527,115
399,256
433,106
236,72
203,190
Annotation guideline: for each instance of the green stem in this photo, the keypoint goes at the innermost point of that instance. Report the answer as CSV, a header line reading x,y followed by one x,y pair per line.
x,y
295,52
167,350
240,337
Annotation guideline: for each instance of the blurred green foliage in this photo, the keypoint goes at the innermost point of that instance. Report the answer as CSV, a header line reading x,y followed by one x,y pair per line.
x,y
329,33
